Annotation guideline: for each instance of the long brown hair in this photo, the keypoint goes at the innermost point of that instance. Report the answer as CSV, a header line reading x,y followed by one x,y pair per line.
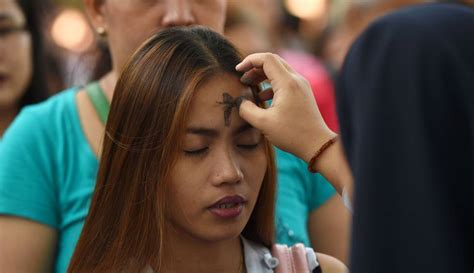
x,y
124,229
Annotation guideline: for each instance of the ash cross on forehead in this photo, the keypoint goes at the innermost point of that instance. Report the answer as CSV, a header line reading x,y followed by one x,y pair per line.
x,y
229,103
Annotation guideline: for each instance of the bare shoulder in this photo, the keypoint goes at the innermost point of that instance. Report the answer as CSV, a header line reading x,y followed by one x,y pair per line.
x,y
26,246
91,125
330,264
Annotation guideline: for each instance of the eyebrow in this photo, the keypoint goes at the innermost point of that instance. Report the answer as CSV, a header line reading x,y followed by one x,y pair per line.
x,y
6,17
202,131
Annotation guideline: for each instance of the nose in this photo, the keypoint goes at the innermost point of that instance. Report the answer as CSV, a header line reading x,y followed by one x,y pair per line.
x,y
226,170
178,13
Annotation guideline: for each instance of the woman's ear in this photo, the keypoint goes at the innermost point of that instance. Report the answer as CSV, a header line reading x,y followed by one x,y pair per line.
x,y
95,11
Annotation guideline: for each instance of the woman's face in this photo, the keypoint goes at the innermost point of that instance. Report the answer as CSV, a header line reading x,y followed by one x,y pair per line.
x,y
129,22
15,54
220,168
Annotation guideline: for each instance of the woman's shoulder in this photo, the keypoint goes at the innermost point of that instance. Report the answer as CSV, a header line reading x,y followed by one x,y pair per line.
x,y
45,115
40,125
63,100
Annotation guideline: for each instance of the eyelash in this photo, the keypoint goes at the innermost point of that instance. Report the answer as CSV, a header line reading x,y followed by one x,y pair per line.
x,y
248,147
205,150
196,152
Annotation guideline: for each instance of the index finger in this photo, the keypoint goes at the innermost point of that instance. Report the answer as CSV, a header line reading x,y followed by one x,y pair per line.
x,y
268,62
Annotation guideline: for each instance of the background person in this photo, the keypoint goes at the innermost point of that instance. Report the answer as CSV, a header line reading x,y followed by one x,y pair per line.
x,y
27,70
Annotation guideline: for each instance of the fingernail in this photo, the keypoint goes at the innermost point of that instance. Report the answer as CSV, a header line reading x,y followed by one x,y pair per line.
x,y
245,80
238,101
248,79
237,67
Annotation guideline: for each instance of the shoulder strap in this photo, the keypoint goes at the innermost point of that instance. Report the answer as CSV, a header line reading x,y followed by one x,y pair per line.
x,y
99,100
291,260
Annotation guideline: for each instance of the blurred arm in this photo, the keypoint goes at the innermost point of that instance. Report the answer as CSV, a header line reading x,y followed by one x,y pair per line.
x,y
26,246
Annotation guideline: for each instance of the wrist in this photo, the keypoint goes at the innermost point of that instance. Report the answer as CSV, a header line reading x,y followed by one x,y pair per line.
x,y
313,144
319,152
333,165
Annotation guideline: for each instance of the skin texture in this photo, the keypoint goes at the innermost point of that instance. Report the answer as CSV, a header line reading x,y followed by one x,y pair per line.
x,y
15,60
216,161
18,235
329,233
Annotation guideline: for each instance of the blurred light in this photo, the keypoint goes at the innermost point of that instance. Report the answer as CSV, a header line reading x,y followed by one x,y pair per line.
x,y
306,9
71,31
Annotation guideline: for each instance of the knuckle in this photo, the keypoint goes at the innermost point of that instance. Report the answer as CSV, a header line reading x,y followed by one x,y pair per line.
x,y
292,82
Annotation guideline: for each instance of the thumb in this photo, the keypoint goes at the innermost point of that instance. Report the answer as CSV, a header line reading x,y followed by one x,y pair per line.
x,y
253,114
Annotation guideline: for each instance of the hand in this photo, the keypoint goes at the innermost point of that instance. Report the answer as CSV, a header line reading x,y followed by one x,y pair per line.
x,y
293,123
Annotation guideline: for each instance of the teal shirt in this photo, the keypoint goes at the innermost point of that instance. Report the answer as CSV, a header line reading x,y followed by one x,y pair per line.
x,y
299,192
48,171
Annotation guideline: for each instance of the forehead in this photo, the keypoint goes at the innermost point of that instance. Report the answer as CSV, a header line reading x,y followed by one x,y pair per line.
x,y
207,101
10,12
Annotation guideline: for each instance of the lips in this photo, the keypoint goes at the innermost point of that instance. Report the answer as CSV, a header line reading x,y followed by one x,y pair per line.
x,y
228,207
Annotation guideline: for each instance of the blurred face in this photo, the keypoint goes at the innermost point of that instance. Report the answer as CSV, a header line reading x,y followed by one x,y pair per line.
x,y
15,54
248,39
129,22
220,168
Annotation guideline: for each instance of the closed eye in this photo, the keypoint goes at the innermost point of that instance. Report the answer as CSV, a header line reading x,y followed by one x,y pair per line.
x,y
196,152
248,146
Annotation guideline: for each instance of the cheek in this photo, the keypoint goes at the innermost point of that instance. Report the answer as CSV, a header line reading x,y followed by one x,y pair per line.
x,y
212,15
127,30
23,64
183,187
255,169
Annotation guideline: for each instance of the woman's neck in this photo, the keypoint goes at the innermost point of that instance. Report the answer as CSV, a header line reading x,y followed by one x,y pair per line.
x,y
7,115
107,83
185,253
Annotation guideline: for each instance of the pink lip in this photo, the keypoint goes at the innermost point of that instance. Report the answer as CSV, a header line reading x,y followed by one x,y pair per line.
x,y
236,202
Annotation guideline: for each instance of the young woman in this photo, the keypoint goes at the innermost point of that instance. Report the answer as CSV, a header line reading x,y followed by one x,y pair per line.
x,y
25,67
49,156
182,177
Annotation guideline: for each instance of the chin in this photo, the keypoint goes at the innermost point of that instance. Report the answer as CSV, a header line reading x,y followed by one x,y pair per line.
x,y
221,232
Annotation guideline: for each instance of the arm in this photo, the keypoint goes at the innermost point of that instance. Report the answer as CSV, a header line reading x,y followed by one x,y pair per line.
x,y
330,264
26,246
27,191
328,228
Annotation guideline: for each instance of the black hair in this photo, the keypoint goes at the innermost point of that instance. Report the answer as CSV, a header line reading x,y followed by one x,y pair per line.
x,y
46,69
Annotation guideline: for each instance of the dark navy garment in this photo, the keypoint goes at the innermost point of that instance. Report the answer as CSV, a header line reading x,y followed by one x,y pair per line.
x,y
406,109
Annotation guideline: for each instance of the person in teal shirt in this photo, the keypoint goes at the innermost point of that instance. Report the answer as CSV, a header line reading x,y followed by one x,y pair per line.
x,y
48,157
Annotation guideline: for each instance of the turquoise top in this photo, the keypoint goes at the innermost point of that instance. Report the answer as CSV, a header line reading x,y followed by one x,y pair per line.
x,y
299,193
48,170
